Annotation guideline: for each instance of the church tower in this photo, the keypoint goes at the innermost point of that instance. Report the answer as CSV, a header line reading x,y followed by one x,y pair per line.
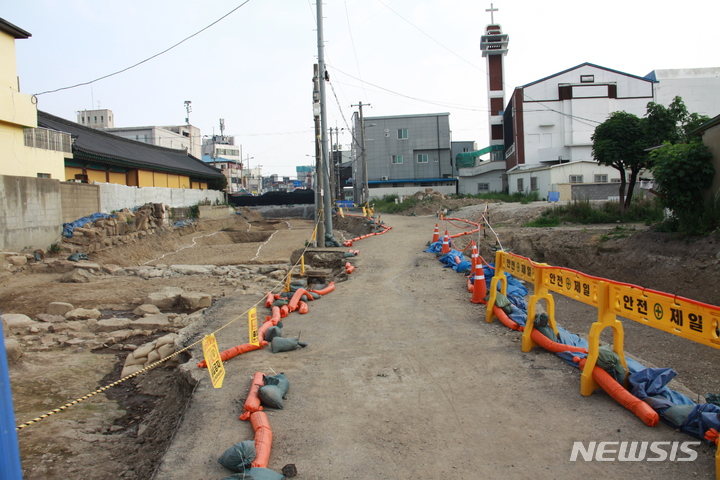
x,y
494,46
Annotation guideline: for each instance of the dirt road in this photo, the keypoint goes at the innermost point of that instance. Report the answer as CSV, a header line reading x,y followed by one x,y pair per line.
x,y
403,379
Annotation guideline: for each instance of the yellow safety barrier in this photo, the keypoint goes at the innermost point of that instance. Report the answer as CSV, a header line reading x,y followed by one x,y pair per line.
x,y
695,321
680,316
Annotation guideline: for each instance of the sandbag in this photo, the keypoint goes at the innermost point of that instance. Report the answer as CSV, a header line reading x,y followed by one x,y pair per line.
x,y
271,396
259,473
541,324
272,332
282,344
609,361
279,380
239,476
274,390
238,457
677,415
280,302
501,301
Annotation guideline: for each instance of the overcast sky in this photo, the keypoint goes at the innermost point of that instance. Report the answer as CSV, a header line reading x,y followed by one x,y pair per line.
x,y
254,67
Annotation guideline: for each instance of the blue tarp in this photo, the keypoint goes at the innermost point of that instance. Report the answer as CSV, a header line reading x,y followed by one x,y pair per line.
x,y
68,228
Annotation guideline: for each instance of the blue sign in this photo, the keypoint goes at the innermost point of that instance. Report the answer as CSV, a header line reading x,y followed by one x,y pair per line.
x,y
297,184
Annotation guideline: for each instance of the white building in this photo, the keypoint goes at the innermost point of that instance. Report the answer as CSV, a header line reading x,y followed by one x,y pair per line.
x,y
179,137
552,120
698,87
221,152
582,179
101,118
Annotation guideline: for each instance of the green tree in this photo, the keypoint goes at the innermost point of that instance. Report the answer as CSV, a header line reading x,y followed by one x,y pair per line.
x,y
671,124
620,142
682,172
218,183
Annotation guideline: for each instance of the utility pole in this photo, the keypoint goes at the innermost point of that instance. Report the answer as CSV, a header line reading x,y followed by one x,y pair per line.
x,y
365,190
323,123
320,235
333,190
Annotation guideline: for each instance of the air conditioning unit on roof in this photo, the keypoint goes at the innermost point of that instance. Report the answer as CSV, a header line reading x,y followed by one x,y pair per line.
x,y
384,178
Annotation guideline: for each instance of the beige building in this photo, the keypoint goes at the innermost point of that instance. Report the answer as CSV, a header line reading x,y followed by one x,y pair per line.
x,y
18,121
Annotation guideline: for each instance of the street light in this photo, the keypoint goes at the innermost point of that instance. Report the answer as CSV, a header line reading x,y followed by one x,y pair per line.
x,y
246,184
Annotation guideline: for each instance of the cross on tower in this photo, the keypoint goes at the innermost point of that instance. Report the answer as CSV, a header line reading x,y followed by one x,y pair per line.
x,y
491,10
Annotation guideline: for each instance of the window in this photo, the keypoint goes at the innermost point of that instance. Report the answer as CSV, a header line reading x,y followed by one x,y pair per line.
x,y
396,159
95,117
601,178
576,179
483,187
402,134
101,118
83,119
533,184
43,175
587,78
615,180
422,158
520,185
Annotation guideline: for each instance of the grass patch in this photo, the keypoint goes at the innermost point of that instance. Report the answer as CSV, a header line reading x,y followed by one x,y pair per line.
x,y
516,197
387,204
645,210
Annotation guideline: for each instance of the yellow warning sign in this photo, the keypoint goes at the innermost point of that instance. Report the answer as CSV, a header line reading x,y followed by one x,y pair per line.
x,y
680,316
253,327
212,358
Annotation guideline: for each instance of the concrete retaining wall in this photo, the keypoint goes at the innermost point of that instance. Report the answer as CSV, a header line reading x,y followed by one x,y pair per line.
x,y
117,197
32,210
215,212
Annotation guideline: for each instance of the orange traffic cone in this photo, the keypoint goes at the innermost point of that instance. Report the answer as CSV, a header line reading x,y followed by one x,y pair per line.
x,y
446,244
436,235
479,287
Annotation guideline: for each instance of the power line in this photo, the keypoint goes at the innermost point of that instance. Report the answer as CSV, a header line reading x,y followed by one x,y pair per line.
x,y
149,58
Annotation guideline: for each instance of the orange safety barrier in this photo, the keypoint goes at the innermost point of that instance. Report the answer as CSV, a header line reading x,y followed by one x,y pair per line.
x,y
275,315
284,311
641,409
302,307
269,300
505,320
269,322
349,268
295,300
554,347
235,351
330,287
263,439
252,402
349,243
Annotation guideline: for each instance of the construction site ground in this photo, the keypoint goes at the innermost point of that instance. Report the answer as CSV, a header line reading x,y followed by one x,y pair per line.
x,y
402,377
